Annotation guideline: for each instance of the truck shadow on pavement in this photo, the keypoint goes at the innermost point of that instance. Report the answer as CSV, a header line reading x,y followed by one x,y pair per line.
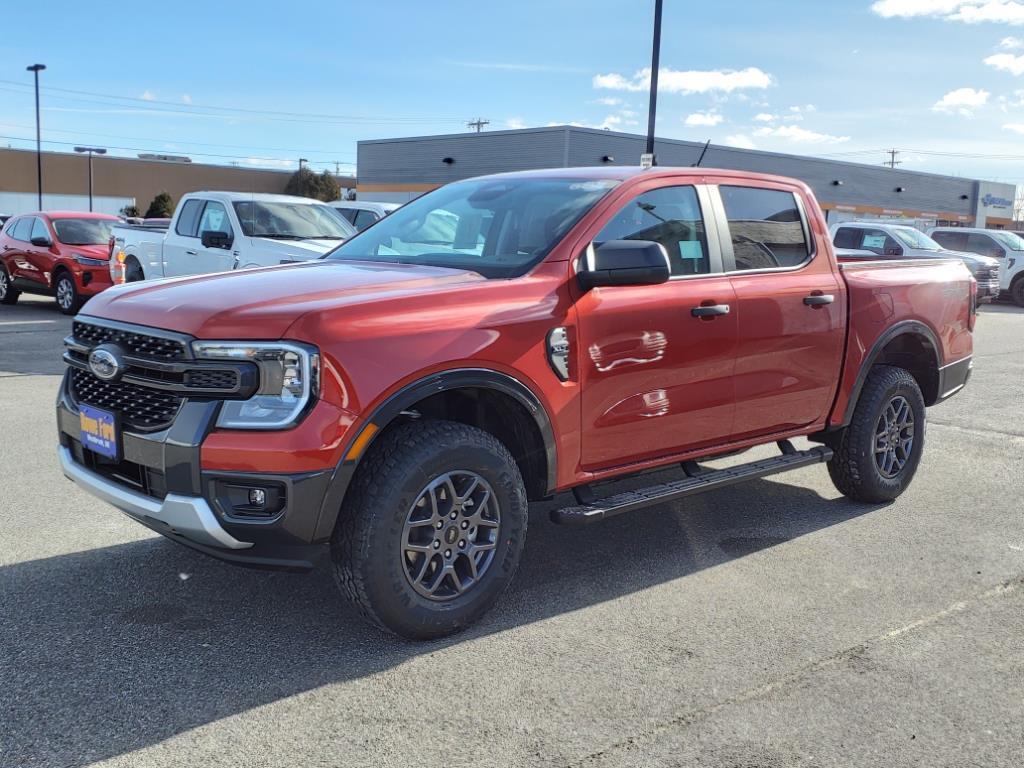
x,y
111,650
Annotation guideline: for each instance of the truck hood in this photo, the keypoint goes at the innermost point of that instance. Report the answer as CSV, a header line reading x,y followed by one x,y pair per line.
x,y
293,250
973,260
263,303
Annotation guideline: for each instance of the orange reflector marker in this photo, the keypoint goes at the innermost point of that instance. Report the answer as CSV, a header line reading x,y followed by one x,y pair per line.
x,y
360,443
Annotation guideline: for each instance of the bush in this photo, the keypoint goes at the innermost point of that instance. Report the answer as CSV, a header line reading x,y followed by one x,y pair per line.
x,y
130,211
305,183
162,207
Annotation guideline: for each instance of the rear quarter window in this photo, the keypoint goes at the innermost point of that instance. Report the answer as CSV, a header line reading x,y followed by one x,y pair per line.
x,y
766,228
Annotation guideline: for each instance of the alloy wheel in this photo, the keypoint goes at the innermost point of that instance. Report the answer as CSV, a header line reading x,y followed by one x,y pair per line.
x,y
65,293
3,285
450,535
894,437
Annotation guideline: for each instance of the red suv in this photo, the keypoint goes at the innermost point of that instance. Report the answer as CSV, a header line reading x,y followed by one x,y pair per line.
x,y
64,255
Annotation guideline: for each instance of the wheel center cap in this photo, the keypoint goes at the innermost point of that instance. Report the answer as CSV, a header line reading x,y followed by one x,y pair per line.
x,y
451,535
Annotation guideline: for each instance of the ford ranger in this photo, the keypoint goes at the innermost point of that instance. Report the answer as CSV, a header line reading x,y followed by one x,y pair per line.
x,y
501,340
221,231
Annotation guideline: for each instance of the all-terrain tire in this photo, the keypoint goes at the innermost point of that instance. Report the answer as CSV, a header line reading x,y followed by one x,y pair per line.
x,y
1017,292
133,271
854,468
8,293
368,547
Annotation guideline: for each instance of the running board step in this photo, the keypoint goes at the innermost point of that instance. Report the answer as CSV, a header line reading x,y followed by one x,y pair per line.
x,y
706,480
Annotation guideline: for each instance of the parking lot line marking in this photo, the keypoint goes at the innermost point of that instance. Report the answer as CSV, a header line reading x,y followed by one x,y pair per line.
x,y
26,322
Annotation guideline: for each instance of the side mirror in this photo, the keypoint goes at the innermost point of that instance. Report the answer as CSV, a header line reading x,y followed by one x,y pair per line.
x,y
214,239
999,253
897,251
624,262
41,242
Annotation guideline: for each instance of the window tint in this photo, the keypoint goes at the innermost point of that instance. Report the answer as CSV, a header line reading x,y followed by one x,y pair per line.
x,y
984,245
188,218
954,241
348,213
39,229
765,227
670,216
214,219
22,229
364,219
847,237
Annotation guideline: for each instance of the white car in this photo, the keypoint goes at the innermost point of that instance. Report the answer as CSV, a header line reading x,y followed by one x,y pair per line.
x,y
362,214
1006,247
221,231
887,240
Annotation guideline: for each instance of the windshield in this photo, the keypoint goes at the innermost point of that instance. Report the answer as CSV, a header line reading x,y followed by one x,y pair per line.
x,y
496,227
1008,240
83,231
291,221
914,238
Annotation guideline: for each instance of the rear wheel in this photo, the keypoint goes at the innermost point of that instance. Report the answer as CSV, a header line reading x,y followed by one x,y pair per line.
x,y
8,293
1017,292
876,456
432,529
64,291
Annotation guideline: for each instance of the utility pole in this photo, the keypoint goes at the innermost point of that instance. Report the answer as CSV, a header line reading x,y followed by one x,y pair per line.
x,y
479,123
302,160
91,151
36,69
655,57
892,162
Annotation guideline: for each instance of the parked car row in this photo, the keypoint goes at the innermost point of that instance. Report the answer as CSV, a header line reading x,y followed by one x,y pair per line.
x,y
995,258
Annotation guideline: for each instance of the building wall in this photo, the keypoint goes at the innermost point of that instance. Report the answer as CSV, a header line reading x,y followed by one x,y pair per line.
x,y
124,179
411,166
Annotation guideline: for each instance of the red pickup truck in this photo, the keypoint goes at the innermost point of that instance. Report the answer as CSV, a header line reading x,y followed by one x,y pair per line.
x,y
496,341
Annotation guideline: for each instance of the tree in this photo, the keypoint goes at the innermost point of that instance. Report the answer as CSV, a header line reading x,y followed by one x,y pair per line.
x,y
130,211
305,183
162,207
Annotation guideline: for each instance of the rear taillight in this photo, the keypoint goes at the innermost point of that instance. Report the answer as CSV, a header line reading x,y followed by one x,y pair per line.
x,y
973,312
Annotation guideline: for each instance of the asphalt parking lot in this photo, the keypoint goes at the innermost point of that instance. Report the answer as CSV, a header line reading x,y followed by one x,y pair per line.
x,y
770,624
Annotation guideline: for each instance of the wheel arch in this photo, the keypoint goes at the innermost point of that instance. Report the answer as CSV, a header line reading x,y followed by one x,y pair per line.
x,y
910,345
496,402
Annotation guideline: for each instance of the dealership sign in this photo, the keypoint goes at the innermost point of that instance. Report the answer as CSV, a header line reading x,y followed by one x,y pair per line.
x,y
991,201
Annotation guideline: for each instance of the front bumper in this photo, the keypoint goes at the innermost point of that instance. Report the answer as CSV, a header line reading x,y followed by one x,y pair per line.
x,y
988,290
160,483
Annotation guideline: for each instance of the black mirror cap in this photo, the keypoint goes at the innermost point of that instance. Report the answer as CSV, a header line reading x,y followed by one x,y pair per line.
x,y
41,242
213,239
624,262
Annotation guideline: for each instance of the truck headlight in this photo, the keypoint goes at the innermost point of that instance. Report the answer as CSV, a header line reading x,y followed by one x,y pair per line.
x,y
289,381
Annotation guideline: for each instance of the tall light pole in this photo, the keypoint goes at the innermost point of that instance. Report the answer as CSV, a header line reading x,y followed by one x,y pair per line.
x,y
655,56
36,69
91,151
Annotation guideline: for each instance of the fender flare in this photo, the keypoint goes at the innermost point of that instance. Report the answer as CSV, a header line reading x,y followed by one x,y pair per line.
x,y
904,328
412,393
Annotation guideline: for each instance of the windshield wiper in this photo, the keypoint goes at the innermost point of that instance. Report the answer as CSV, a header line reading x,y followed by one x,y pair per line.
x,y
279,236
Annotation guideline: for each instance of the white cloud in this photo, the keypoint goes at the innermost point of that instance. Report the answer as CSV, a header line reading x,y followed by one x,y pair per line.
x,y
1015,127
703,118
764,117
147,96
269,162
687,81
1007,62
740,140
962,101
798,135
967,11
515,123
186,99
1011,43
608,101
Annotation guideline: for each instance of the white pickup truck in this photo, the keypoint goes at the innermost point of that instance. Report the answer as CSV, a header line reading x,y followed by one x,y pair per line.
x,y
221,231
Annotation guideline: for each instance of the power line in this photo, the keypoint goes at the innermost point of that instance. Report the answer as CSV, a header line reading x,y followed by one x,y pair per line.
x,y
479,123
892,162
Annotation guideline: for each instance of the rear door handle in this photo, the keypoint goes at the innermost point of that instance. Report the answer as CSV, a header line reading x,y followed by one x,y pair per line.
x,y
192,253
819,299
712,310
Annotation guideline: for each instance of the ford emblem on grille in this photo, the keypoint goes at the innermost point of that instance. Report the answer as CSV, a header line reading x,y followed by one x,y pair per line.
x,y
106,363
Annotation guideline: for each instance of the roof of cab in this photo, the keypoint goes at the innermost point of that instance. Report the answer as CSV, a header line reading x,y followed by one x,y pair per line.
x,y
625,172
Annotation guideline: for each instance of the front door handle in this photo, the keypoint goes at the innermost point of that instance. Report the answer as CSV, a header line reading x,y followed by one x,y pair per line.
x,y
192,253
819,299
712,310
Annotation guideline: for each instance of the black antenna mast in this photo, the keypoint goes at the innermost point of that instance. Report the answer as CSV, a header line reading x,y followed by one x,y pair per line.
x,y
702,153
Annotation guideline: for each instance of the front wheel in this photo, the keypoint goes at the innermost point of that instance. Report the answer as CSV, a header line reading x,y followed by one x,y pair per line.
x,y
1017,292
876,456
64,291
8,293
432,529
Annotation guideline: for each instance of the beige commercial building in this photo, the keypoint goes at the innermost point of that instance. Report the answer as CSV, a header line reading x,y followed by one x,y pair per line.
x,y
120,181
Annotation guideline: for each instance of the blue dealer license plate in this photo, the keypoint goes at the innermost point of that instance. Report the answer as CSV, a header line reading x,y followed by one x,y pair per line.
x,y
99,431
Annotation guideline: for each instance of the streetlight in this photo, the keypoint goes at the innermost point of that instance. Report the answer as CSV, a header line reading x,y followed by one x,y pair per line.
x,y
91,151
36,69
653,104
302,160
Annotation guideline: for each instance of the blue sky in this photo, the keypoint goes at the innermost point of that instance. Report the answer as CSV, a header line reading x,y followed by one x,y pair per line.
x,y
942,80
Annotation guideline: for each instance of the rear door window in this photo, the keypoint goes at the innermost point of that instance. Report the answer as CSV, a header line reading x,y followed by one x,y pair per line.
x,y
188,219
954,241
984,245
21,229
766,228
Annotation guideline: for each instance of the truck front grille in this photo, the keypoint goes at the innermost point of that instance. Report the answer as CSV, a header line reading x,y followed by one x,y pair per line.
x,y
139,407
134,343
